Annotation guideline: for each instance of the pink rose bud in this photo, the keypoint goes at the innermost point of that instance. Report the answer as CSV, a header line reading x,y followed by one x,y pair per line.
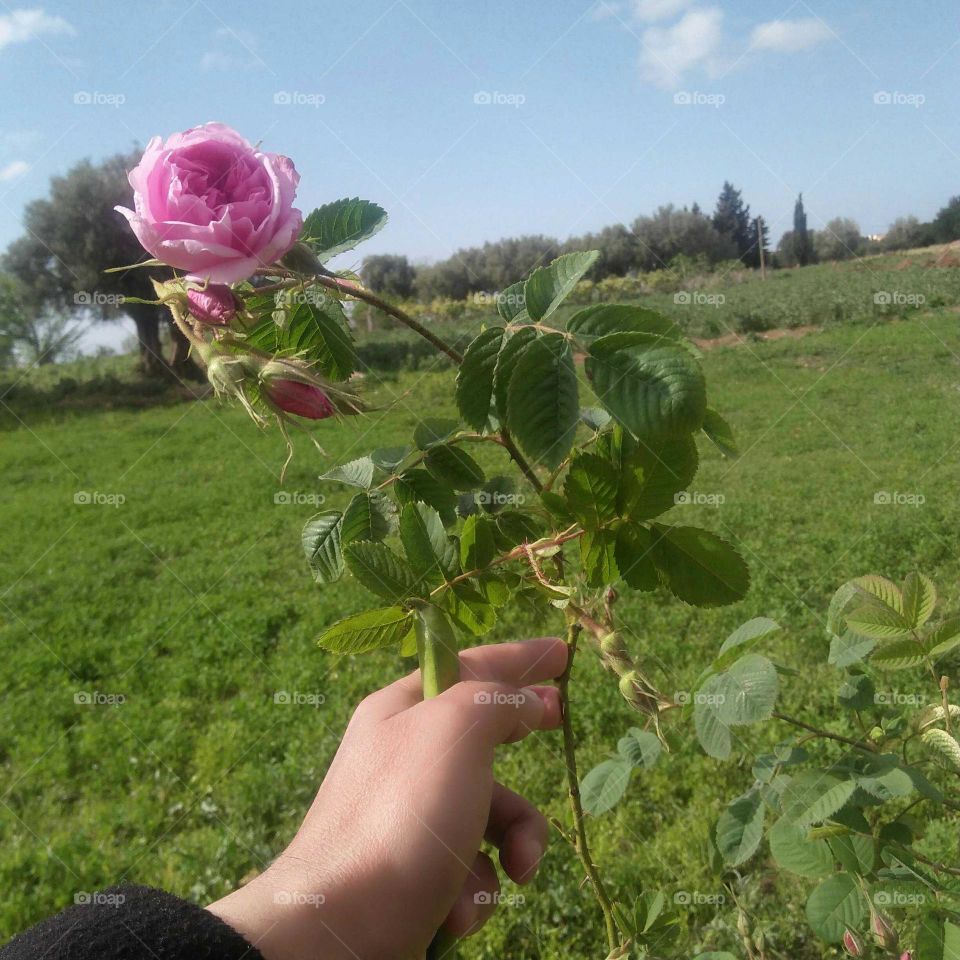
x,y
883,930
852,944
300,399
906,955
214,304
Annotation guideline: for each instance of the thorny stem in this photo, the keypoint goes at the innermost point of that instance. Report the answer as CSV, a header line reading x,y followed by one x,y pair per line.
x,y
826,734
573,788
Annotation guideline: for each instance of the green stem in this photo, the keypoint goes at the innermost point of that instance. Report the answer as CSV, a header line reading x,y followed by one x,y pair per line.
x,y
573,789
439,670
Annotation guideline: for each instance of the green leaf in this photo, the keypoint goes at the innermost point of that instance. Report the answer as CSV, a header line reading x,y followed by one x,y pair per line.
x,y
951,941
740,828
919,599
341,225
510,353
367,631
882,589
857,693
469,609
899,655
453,465
321,544
640,747
369,516
698,567
547,287
814,796
712,732
633,553
431,553
477,548
597,554
474,391
834,907
434,430
944,638
602,788
855,853
793,850
653,474
356,473
596,418
720,433
389,458
877,621
315,331
542,403
748,634
652,391
510,302
381,571
848,648
943,747
590,489
414,485
603,319
748,691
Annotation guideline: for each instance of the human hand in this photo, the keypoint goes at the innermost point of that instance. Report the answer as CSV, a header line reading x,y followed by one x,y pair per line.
x,y
389,849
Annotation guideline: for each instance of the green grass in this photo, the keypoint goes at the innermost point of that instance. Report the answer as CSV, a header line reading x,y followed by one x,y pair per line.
x,y
191,600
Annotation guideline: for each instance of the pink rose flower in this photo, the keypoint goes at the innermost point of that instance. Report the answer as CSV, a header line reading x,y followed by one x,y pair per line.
x,y
214,304
300,399
209,203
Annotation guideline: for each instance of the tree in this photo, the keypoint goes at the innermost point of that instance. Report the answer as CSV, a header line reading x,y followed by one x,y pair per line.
x,y
907,232
75,235
839,240
800,237
36,333
946,224
659,238
390,275
759,240
731,218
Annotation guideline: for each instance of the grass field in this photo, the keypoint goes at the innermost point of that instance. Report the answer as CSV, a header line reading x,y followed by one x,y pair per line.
x,y
183,611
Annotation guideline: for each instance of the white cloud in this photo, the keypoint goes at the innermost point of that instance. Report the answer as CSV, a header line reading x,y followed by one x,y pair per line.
x,y
20,26
659,9
789,36
604,10
668,53
13,170
215,60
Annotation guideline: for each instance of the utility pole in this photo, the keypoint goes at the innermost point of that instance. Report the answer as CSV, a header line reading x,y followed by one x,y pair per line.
x,y
763,258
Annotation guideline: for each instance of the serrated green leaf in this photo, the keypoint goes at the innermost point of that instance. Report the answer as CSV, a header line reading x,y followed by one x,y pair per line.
x,y
468,609
640,747
740,828
367,631
590,489
606,318
944,638
369,516
434,430
877,621
849,648
547,287
595,418
389,458
698,567
885,779
598,557
510,352
477,548
603,787
814,796
633,553
510,302
943,747
653,391
453,465
356,473
857,692
341,225
919,599
417,484
748,690
474,391
796,852
834,907
748,634
431,553
882,589
720,433
712,732
653,473
321,544
542,401
898,655
381,571
855,853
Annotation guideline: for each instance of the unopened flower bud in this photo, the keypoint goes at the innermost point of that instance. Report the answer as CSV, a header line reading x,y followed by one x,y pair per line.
x,y
214,304
852,944
300,399
226,374
883,931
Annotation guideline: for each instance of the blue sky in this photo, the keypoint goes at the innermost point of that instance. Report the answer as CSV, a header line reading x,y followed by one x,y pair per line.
x,y
473,121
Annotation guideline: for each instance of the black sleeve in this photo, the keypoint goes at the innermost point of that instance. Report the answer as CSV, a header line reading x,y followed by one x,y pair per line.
x,y
131,923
